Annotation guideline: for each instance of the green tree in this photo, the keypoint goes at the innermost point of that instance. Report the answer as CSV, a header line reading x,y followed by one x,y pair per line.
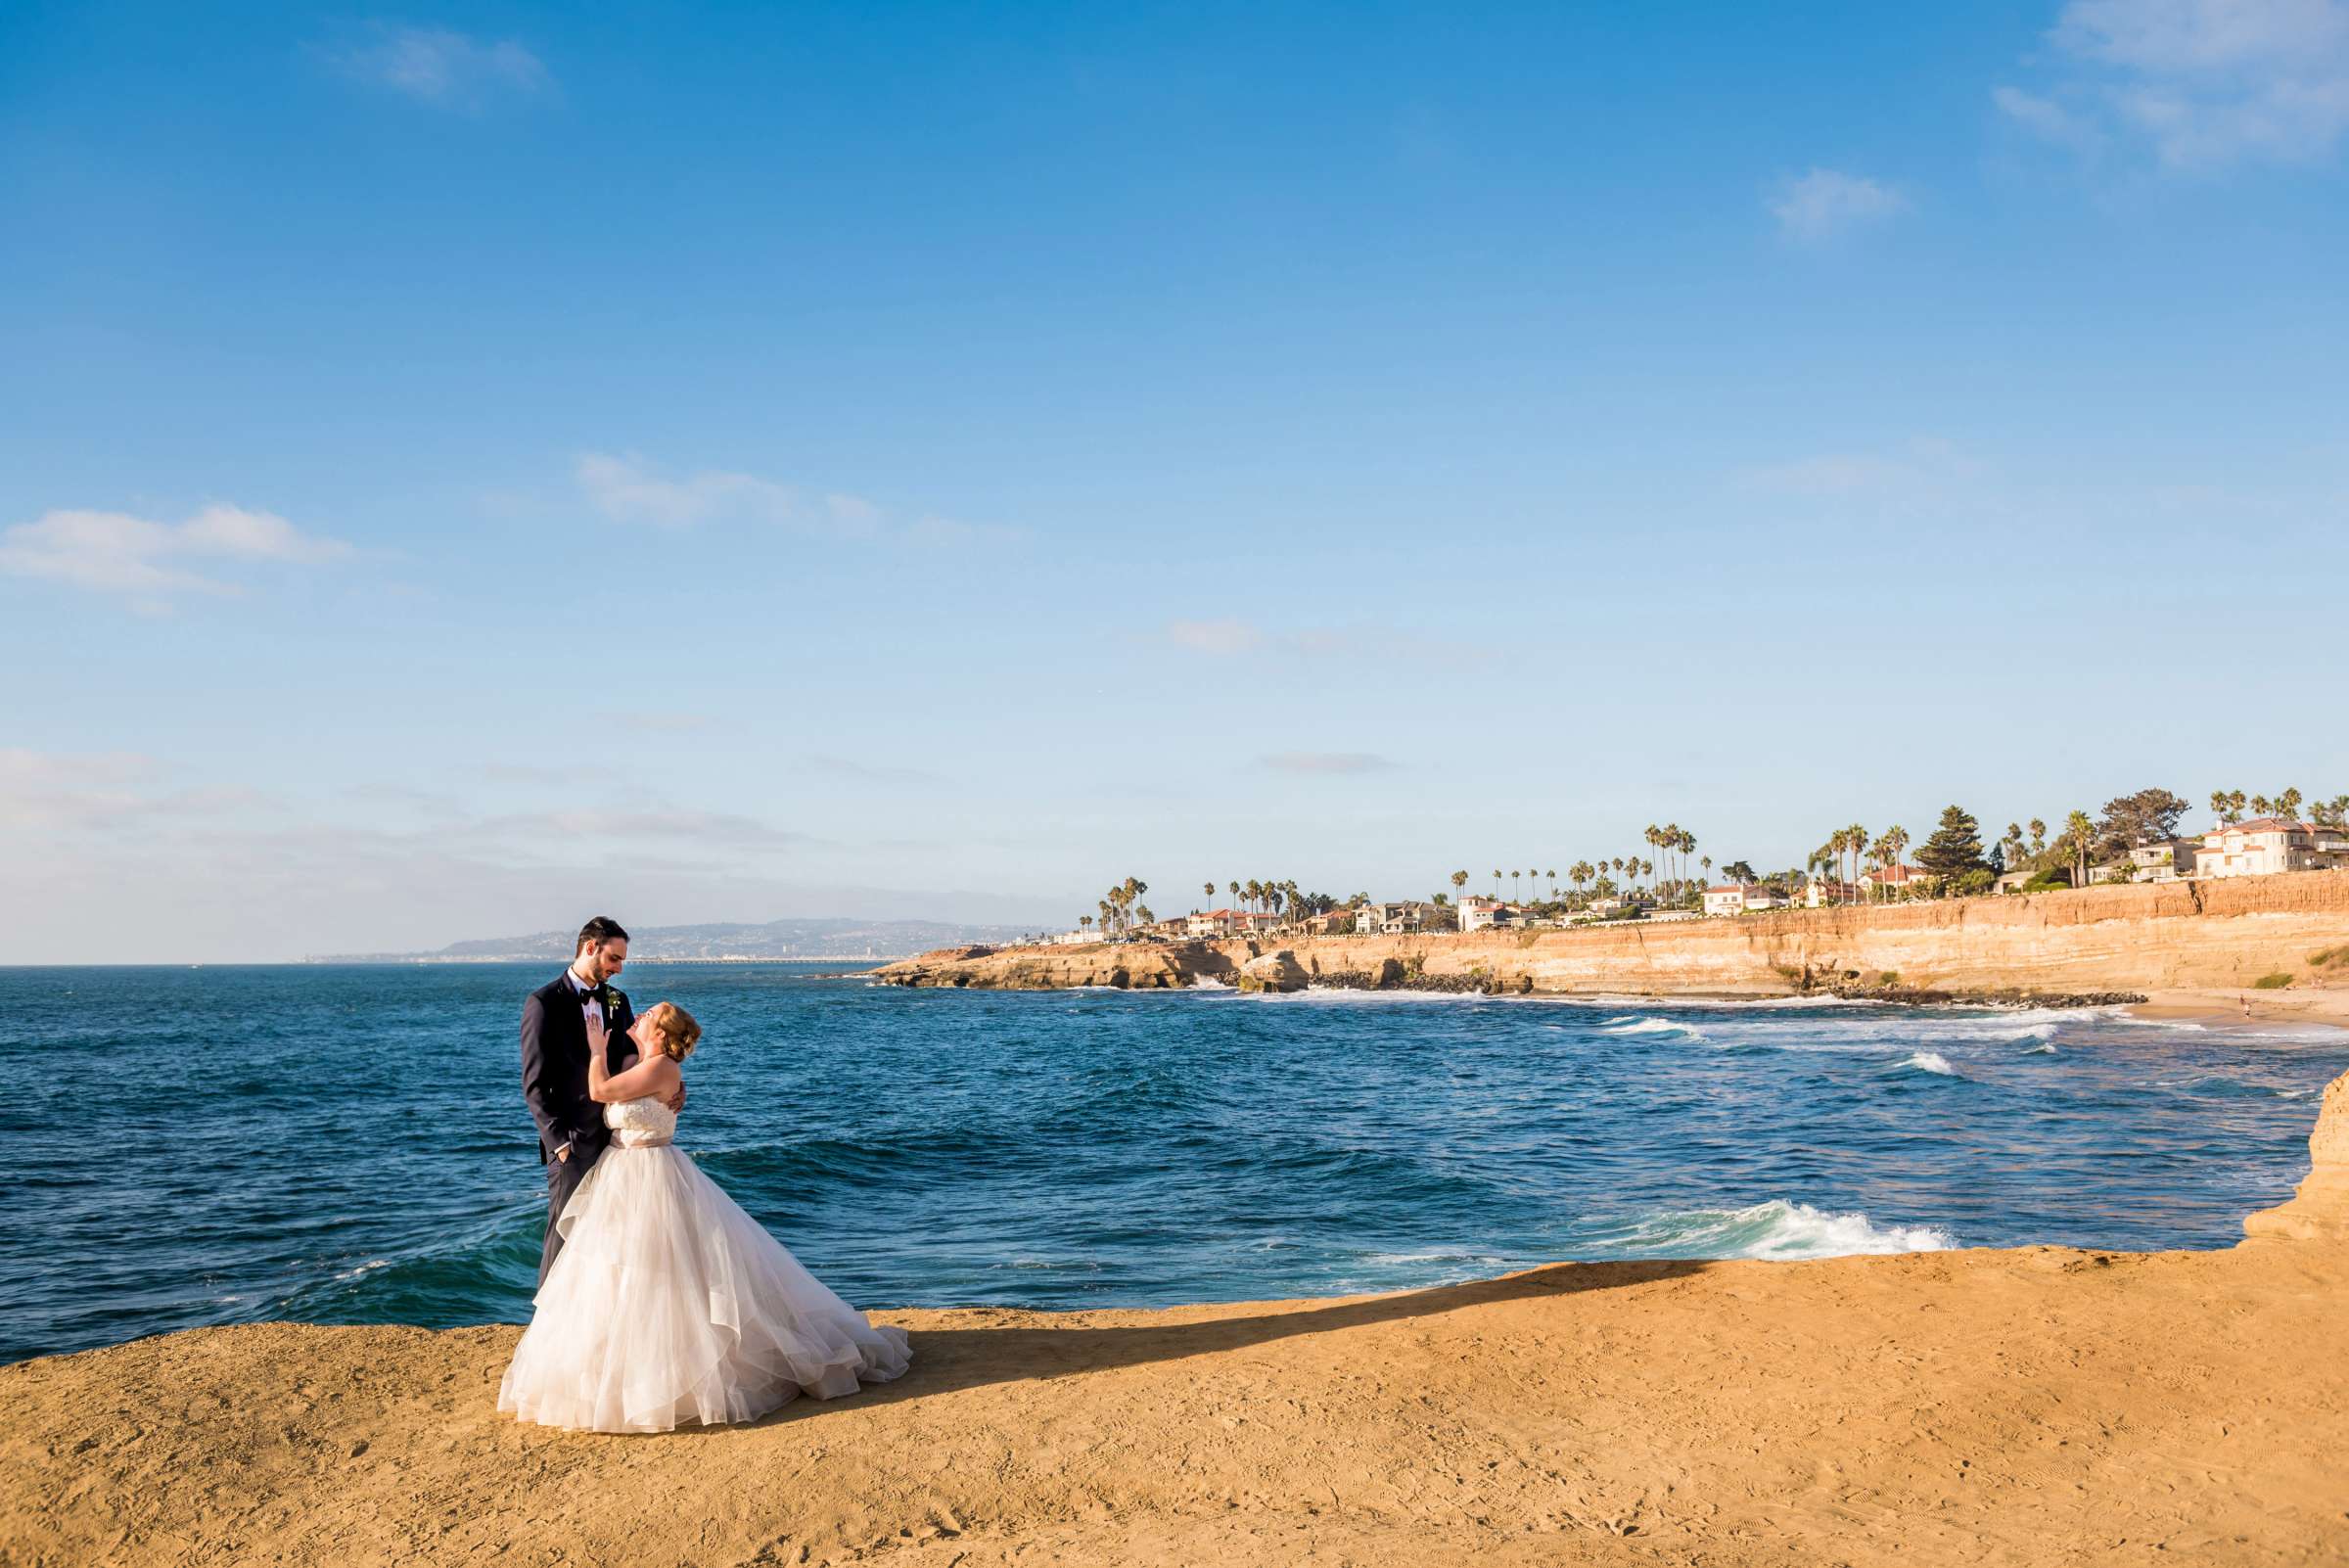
x,y
2078,834
1955,848
1889,845
2146,817
1460,880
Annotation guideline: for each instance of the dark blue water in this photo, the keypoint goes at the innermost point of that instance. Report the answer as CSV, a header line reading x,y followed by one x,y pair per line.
x,y
192,1146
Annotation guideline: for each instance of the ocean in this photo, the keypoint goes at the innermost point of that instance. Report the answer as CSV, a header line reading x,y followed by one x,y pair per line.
x,y
348,1145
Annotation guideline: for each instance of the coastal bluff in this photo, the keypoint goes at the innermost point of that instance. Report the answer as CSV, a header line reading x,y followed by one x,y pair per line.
x,y
2221,935
1942,1410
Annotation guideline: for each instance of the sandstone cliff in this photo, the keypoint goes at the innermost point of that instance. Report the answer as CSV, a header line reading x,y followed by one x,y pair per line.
x,y
2219,935
2320,1210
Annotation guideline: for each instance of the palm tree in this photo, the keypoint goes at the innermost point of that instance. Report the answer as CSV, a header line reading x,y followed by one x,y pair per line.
x,y
1513,886
1235,893
1460,880
2079,828
2288,804
1496,884
1707,863
1210,891
2039,838
1859,843
1889,845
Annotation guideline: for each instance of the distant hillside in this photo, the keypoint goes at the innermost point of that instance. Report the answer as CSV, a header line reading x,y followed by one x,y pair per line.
x,y
778,938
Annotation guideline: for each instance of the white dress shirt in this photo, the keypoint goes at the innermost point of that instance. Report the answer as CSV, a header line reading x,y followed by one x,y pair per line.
x,y
588,1013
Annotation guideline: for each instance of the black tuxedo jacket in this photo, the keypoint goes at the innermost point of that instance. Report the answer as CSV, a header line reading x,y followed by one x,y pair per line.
x,y
554,1067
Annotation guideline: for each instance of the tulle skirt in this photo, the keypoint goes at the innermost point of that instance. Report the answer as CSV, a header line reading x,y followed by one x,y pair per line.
x,y
668,1304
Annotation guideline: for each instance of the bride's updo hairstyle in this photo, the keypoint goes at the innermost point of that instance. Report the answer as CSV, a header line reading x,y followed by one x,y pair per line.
x,y
673,1029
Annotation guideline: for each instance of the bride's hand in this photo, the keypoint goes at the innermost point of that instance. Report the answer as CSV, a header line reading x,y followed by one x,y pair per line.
x,y
597,1034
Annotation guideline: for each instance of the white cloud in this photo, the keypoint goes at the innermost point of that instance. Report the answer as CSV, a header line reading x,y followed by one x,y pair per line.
x,y
1825,202
1220,637
1916,472
2200,84
862,772
115,552
2047,119
1326,762
625,488
443,67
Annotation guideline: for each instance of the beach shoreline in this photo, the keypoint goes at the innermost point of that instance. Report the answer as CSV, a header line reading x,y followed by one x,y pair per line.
x,y
2328,1007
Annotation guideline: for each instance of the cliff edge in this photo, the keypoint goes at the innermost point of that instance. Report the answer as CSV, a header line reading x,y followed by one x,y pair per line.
x,y
2320,1210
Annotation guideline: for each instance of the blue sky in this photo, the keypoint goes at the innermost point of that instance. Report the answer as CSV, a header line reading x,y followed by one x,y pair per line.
x,y
463,471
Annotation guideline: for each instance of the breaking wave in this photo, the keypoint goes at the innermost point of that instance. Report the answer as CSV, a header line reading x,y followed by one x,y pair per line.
x,y
1777,1229
1930,1062
1651,1026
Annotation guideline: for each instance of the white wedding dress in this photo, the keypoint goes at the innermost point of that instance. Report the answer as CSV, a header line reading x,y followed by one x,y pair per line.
x,y
667,1304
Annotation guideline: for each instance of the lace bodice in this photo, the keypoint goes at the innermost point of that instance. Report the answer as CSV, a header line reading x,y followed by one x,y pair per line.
x,y
636,1124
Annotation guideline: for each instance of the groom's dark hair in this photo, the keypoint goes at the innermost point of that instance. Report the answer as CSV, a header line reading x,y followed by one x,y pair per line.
x,y
597,932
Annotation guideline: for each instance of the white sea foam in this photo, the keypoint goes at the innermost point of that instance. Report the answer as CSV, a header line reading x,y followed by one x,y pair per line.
x,y
1653,1025
2042,1048
1777,1229
367,1267
1930,1062
2035,1031
1349,994
1205,983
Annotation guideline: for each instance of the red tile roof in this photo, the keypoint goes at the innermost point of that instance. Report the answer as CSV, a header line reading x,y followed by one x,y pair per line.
x,y
2264,824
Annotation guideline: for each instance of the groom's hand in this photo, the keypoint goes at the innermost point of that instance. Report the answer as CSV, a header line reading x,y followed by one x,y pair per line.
x,y
677,1101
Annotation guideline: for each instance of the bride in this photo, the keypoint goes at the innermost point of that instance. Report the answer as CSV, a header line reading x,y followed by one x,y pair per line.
x,y
668,1303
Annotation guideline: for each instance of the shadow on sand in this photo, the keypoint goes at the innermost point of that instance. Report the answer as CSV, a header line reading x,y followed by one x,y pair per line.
x,y
949,1359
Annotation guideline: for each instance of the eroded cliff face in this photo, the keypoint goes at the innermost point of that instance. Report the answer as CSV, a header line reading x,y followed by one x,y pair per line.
x,y
2174,935
2320,1210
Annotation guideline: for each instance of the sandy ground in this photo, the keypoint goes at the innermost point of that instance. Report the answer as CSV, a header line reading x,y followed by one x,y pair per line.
x,y
2301,1004
2035,1406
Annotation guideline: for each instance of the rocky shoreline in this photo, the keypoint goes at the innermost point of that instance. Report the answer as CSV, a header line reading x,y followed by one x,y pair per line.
x,y
2092,947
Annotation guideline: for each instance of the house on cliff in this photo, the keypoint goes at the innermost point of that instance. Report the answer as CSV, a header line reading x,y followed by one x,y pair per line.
x,y
2158,860
1736,898
1478,913
2268,845
1890,882
1404,919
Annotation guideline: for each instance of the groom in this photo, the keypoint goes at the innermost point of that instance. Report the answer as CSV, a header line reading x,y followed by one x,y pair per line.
x,y
554,1064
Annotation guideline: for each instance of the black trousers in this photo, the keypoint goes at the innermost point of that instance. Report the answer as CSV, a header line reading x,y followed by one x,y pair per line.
x,y
562,1178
